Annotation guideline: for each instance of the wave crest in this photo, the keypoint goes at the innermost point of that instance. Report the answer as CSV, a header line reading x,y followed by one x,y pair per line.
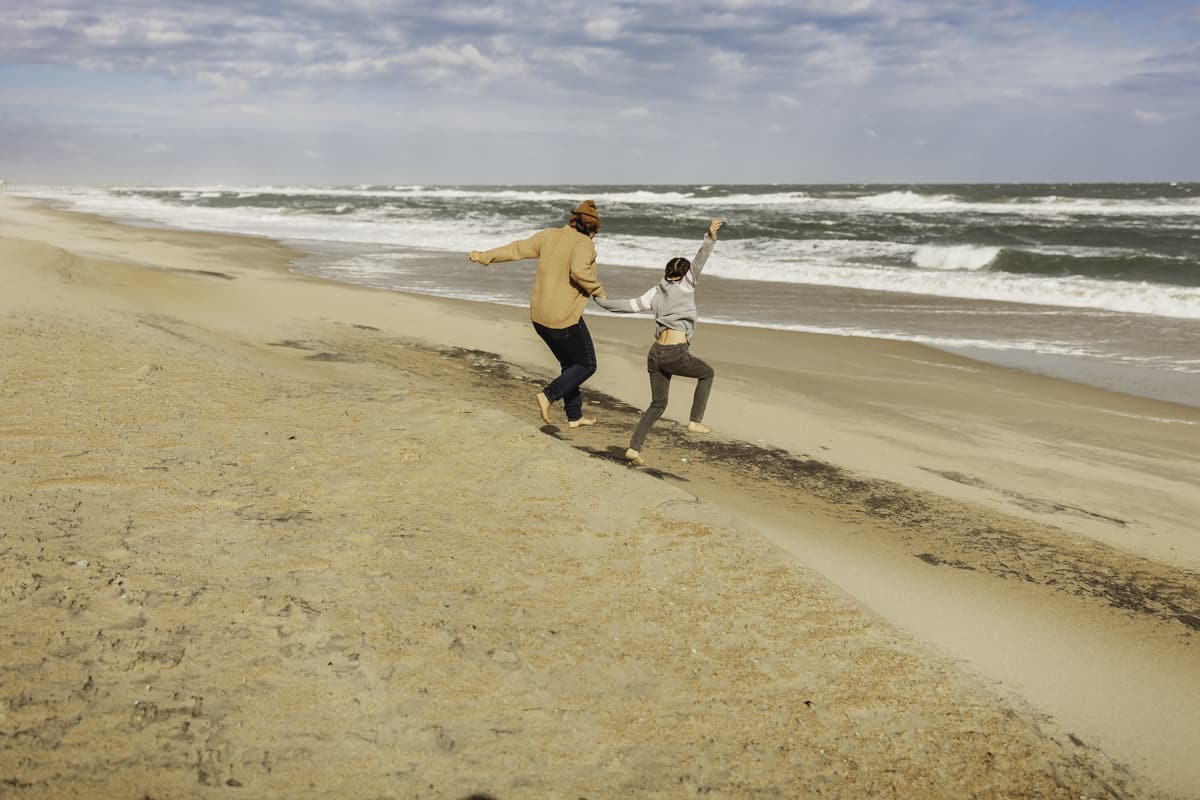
x,y
954,257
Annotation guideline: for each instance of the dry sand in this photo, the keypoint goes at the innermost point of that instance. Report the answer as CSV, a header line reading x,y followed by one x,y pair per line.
x,y
269,536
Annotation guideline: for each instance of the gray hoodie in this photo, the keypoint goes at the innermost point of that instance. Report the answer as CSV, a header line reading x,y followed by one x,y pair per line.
x,y
673,302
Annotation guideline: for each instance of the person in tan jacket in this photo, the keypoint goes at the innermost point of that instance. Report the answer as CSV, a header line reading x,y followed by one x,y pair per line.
x,y
565,279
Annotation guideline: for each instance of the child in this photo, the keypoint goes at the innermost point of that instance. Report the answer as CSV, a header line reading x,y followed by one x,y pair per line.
x,y
673,302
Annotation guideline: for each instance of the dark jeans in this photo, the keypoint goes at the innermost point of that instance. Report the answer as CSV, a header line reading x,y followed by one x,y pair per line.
x,y
663,361
573,348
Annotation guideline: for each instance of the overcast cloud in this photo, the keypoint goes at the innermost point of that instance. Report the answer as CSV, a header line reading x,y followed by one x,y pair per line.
x,y
560,91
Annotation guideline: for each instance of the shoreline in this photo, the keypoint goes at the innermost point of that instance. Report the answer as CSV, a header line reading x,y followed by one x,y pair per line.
x,y
1098,370
1020,518
1065,353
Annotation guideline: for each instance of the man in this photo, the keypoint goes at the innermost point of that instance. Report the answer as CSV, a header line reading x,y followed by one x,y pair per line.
x,y
565,279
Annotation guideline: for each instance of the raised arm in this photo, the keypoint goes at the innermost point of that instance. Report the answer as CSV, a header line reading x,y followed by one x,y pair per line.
x,y
706,248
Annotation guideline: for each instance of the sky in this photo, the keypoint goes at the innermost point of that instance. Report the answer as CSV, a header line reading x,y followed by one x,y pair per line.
x,y
204,92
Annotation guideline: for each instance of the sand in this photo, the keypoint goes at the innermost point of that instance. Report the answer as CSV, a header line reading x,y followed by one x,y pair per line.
x,y
270,536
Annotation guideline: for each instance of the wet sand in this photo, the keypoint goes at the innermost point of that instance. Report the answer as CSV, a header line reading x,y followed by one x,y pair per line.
x,y
270,533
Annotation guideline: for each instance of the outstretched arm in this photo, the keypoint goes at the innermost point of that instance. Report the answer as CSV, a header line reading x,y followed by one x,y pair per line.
x,y
513,251
706,248
630,306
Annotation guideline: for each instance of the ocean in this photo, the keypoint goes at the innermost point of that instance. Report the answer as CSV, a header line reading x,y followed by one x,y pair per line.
x,y
1095,283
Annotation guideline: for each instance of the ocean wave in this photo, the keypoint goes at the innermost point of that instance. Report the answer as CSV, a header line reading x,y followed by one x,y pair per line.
x,y
789,207
1067,292
954,257
957,271
899,201
1107,264
907,202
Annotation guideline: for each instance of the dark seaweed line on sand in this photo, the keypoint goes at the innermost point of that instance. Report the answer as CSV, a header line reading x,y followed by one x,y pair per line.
x,y
946,532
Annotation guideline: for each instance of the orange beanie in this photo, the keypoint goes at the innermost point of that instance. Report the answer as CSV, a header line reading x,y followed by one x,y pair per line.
x,y
587,210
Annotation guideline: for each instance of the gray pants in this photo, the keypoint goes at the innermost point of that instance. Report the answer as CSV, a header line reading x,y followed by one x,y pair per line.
x,y
663,361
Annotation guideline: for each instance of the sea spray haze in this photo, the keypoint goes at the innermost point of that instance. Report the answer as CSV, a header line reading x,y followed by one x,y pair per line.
x,y
1095,282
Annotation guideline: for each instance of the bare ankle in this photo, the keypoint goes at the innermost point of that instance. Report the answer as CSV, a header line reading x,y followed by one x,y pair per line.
x,y
543,404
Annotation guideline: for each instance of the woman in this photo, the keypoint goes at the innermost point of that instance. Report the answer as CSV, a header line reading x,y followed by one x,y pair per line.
x,y
673,301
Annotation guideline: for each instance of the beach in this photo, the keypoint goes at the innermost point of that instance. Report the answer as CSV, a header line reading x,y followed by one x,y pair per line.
x,y
1091,283
272,534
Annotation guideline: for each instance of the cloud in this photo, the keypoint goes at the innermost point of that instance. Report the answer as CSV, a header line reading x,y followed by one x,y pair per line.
x,y
637,112
946,44
539,76
603,28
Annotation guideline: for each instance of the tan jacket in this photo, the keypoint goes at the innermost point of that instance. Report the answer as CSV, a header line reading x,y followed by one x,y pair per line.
x,y
566,273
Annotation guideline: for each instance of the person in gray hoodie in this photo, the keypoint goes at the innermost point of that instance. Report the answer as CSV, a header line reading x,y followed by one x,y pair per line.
x,y
673,301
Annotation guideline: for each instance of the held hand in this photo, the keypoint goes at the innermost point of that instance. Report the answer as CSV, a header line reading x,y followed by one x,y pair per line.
x,y
713,227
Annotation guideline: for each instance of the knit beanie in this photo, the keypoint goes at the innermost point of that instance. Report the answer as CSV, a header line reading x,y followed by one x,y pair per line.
x,y
587,211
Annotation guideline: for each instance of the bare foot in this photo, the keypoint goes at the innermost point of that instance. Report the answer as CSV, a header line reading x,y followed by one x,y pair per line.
x,y
634,457
582,421
698,427
543,406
